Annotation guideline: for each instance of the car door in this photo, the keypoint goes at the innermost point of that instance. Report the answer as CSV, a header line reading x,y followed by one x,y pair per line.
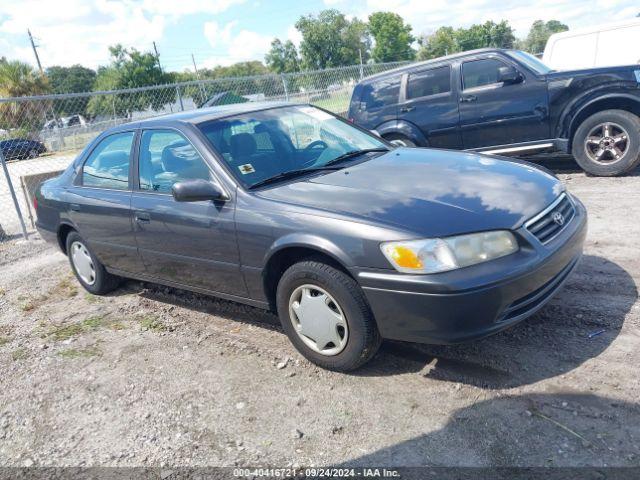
x,y
99,202
428,101
496,113
187,243
378,102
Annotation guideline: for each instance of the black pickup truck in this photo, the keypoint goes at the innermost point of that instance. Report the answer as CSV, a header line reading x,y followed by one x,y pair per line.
x,y
507,102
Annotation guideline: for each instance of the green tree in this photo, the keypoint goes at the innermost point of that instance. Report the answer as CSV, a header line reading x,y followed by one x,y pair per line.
x,y
130,69
72,79
446,40
331,40
392,37
18,79
283,57
539,34
439,43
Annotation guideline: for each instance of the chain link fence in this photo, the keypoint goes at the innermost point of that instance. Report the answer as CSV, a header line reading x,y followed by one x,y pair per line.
x,y
40,135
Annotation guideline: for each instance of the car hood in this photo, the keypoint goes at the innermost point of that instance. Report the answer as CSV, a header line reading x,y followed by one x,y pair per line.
x,y
429,192
617,70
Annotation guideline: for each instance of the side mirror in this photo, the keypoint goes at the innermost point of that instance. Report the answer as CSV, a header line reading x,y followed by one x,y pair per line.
x,y
197,191
509,75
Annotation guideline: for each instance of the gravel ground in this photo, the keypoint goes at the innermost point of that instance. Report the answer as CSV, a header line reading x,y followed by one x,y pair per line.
x,y
151,376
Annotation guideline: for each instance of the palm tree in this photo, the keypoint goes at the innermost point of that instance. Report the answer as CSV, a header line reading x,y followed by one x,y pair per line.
x,y
19,79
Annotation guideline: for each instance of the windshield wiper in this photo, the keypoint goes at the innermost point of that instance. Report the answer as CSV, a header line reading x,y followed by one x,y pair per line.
x,y
327,166
289,174
353,153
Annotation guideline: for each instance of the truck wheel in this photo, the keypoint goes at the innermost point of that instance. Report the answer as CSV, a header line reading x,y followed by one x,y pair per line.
x,y
608,143
400,140
325,314
87,268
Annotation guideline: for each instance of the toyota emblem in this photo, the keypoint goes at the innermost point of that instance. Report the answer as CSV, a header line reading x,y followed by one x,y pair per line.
x,y
558,218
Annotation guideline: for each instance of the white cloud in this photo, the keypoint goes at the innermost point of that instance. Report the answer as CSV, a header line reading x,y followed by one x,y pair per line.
x,y
294,35
241,46
80,31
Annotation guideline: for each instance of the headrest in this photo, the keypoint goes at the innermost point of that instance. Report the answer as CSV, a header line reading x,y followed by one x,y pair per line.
x,y
242,145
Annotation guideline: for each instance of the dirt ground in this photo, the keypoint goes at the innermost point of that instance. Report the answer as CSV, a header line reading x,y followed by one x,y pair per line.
x,y
151,376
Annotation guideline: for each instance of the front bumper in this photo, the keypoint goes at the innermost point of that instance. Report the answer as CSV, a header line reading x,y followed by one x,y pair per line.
x,y
474,302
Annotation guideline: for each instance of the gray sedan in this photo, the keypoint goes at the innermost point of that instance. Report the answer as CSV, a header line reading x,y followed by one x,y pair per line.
x,y
289,208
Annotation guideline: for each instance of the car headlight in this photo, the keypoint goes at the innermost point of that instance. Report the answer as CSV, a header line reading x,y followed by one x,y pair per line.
x,y
441,254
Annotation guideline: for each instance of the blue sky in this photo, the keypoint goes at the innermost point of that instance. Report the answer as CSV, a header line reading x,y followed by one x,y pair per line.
x,y
227,31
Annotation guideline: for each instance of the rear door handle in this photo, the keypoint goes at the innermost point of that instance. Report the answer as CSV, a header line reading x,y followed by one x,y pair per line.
x,y
407,109
468,98
142,217
75,207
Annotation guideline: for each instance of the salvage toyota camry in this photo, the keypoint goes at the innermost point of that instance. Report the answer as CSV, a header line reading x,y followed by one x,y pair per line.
x,y
289,208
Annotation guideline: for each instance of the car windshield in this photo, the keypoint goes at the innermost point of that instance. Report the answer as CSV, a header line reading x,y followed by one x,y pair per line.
x,y
279,143
535,64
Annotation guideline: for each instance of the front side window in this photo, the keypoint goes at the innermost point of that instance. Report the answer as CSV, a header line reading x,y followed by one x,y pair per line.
x,y
108,163
259,145
429,82
166,157
478,73
381,93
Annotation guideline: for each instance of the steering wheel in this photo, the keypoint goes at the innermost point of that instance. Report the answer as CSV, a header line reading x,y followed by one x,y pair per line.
x,y
317,143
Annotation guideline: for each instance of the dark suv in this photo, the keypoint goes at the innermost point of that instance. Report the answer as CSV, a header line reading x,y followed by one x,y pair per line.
x,y
507,101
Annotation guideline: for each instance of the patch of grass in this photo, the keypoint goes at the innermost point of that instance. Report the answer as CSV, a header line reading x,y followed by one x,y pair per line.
x,y
80,352
19,354
91,298
66,288
4,341
28,306
150,322
117,326
64,332
94,323
2,292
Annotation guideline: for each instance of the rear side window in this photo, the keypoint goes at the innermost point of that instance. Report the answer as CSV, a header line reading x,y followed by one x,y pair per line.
x,y
381,93
478,73
108,164
166,157
429,82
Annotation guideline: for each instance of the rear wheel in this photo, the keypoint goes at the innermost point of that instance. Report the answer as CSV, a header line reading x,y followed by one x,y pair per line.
x,y
608,143
87,268
325,314
400,140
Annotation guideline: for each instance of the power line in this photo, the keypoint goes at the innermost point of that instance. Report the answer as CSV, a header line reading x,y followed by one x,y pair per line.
x,y
35,50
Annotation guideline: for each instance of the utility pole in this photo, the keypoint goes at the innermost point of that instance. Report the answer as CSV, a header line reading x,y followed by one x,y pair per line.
x,y
195,67
361,69
35,50
155,49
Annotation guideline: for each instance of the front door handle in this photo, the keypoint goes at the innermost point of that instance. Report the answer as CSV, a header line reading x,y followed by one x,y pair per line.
x,y
468,98
407,109
142,217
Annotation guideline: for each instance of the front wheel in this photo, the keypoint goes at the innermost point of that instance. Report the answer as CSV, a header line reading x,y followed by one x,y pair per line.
x,y
87,268
325,314
608,143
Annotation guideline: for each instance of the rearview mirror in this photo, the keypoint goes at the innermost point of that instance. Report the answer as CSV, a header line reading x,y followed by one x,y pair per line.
x,y
197,191
509,75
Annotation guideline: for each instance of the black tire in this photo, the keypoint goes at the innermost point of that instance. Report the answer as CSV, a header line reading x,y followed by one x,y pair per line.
x,y
400,140
104,281
363,338
609,167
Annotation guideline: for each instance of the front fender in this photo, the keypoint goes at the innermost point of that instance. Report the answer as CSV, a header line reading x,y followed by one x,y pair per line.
x,y
402,127
310,241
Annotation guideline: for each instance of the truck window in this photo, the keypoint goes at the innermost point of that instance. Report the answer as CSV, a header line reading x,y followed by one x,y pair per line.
x,y
429,82
478,73
381,93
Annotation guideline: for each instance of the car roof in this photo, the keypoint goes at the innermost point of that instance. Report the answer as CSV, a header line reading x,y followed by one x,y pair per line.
x,y
201,115
433,61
